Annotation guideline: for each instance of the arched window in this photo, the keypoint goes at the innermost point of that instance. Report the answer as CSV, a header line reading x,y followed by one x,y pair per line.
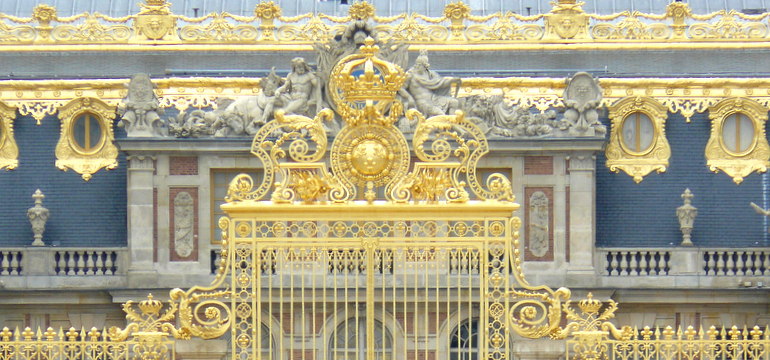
x,y
348,342
267,344
464,340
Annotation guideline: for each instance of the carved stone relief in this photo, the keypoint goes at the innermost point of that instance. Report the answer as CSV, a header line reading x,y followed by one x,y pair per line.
x,y
306,91
539,219
183,225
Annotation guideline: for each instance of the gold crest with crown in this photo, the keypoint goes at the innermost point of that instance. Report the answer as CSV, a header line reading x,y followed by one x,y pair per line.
x,y
364,86
372,151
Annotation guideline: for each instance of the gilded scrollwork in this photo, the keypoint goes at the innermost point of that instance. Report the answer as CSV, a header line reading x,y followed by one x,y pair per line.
x,y
86,141
295,138
219,30
92,30
591,329
631,28
455,146
638,143
155,24
738,145
9,151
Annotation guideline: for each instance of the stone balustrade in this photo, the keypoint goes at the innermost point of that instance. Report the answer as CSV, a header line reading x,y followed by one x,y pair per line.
x,y
710,262
54,261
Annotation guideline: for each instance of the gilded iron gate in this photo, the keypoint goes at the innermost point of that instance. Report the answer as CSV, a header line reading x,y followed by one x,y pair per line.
x,y
314,279
354,254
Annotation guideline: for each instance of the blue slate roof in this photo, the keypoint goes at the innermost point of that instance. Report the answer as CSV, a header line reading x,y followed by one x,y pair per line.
x,y
82,213
644,215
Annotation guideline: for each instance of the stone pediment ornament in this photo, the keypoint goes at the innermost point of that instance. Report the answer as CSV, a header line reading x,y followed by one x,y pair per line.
x,y
582,97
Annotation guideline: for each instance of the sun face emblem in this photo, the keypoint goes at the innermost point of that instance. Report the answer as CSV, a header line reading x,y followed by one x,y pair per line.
x,y
370,157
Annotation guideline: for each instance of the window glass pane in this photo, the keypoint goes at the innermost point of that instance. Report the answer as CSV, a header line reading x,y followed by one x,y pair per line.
x,y
464,341
738,132
349,341
638,132
87,132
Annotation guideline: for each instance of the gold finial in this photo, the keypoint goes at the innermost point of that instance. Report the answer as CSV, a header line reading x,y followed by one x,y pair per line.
x,y
361,10
267,10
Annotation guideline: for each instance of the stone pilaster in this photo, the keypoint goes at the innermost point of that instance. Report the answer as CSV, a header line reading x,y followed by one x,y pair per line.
x,y
582,183
140,221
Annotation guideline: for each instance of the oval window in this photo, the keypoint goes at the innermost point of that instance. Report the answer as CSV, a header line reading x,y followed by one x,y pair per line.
x,y
738,133
638,133
87,133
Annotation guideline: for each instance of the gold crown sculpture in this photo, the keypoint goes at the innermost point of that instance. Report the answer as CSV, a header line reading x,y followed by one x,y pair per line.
x,y
150,306
590,305
362,82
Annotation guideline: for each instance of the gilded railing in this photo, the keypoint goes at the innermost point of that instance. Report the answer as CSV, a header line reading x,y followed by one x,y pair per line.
x,y
594,337
566,22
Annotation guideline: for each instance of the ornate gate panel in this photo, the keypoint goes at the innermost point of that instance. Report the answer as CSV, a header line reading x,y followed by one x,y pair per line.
x,y
375,289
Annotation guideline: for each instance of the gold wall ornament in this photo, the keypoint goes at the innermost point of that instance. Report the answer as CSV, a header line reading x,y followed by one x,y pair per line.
x,y
361,10
91,31
44,14
457,12
567,20
80,147
155,21
678,12
590,329
738,145
154,25
38,110
638,143
9,151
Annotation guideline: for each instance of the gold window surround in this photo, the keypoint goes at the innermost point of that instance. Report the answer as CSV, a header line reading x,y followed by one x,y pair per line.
x,y
9,151
72,155
738,164
567,25
638,162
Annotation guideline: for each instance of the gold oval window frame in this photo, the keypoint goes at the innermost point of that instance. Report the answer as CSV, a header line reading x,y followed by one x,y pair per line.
x,y
638,164
69,153
753,142
9,151
737,165
623,143
72,130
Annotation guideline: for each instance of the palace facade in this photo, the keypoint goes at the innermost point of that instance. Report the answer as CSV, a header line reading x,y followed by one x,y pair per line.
x,y
382,184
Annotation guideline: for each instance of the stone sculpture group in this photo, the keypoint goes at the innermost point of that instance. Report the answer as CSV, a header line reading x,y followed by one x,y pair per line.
x,y
305,92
